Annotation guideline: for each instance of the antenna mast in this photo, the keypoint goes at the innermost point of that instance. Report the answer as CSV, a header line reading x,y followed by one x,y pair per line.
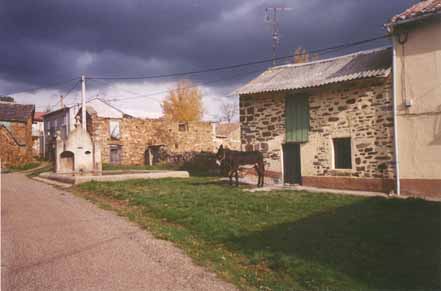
x,y
271,17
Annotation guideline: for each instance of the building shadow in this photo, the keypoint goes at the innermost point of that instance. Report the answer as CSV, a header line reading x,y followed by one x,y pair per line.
x,y
385,244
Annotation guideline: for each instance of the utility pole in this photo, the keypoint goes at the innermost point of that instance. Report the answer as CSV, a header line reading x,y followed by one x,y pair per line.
x,y
83,101
271,17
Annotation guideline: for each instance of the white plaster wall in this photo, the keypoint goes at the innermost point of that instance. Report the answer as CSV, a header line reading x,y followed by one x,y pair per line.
x,y
418,79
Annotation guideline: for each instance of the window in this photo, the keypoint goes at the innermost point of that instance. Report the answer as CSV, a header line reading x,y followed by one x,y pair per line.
x,y
342,153
114,130
183,127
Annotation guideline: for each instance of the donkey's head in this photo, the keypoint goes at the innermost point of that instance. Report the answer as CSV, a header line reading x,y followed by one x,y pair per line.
x,y
220,155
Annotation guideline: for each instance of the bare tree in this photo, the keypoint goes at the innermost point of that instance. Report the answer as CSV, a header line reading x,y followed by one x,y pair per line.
x,y
229,112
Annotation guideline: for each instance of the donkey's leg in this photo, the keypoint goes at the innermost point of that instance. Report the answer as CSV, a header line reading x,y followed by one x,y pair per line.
x,y
261,174
230,175
258,174
237,177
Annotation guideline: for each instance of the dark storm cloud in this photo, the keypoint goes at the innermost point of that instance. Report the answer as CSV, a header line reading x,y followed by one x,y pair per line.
x,y
47,40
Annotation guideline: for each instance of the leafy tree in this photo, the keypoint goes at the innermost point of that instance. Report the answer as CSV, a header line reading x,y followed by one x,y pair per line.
x,y
301,55
183,103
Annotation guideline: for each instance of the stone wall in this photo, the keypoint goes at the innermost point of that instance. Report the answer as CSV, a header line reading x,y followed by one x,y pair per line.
x,y
230,140
361,110
138,134
262,118
16,143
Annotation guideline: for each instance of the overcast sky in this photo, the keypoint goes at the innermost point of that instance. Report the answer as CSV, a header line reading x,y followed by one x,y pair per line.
x,y
47,41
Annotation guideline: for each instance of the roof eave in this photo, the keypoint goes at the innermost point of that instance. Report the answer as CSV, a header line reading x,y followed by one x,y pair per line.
x,y
392,25
384,75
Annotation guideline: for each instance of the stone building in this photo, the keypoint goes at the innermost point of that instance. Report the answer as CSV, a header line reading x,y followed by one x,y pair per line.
x,y
326,123
127,140
15,132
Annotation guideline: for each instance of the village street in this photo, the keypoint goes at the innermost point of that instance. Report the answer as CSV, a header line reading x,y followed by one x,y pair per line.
x,y
52,240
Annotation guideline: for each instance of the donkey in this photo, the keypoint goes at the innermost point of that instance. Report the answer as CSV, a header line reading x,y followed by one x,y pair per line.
x,y
231,161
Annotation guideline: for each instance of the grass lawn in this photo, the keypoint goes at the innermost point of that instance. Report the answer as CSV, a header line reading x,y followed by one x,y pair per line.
x,y
24,167
287,240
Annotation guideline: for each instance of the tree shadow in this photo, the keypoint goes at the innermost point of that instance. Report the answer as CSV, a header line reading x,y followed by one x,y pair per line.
x,y
380,243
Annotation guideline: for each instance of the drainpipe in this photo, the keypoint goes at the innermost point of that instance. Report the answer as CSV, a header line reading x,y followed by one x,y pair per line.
x,y
395,82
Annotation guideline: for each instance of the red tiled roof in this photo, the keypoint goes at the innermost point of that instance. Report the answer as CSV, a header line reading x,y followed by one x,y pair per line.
x,y
423,8
38,116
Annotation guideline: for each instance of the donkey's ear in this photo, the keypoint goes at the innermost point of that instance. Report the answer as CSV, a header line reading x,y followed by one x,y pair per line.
x,y
221,146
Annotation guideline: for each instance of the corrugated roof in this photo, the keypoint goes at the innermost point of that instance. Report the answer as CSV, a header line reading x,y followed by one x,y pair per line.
x,y
15,112
421,9
364,64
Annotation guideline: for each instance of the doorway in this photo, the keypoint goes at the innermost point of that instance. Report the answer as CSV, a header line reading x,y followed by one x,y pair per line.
x,y
152,155
115,154
67,162
292,163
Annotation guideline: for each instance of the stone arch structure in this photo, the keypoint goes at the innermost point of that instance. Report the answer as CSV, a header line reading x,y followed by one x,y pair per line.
x,y
67,162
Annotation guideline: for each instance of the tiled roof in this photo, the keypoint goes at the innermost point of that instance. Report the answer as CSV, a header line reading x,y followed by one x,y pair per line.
x,y
225,129
364,64
15,112
38,116
421,9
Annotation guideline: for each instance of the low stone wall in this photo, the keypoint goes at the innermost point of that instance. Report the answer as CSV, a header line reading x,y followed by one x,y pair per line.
x,y
360,110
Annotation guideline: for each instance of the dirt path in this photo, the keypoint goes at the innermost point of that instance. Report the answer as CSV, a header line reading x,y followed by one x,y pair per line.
x,y
52,240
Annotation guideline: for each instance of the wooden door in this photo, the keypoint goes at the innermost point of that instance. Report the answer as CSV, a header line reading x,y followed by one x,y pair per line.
x,y
291,163
115,154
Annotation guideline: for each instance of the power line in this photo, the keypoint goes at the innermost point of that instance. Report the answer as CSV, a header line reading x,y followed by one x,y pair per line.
x,y
125,90
71,89
329,50
221,68
188,87
43,87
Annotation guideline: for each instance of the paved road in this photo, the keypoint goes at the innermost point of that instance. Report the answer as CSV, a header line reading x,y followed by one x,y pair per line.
x,y
52,240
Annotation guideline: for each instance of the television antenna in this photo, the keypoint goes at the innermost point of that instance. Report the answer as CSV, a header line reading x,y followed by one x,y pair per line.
x,y
271,16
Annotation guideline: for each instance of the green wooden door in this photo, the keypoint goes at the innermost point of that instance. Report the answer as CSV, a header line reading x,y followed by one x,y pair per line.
x,y
297,118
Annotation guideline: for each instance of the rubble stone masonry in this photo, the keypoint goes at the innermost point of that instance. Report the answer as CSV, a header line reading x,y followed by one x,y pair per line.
x,y
16,143
361,110
138,134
